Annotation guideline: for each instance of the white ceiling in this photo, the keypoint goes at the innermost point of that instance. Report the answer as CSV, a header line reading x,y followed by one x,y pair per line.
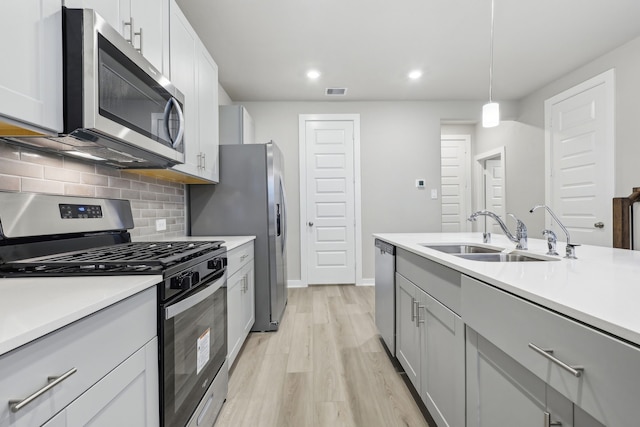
x,y
263,48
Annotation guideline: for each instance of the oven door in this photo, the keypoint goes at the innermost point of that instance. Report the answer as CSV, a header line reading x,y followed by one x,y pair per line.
x,y
193,333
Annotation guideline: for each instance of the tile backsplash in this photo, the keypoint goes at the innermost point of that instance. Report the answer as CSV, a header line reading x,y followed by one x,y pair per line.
x,y
25,170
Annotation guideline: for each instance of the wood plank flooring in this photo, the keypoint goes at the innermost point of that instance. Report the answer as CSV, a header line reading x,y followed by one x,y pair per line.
x,y
324,367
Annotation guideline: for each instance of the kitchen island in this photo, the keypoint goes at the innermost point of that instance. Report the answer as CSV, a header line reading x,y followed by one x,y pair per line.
x,y
492,337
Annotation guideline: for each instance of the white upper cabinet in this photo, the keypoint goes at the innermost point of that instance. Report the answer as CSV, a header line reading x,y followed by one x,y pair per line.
x,y
195,74
143,22
31,75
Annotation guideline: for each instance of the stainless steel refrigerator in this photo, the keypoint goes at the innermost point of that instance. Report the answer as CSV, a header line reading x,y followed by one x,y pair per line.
x,y
250,200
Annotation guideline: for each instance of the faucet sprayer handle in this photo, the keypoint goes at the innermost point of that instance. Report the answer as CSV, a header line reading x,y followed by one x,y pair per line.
x,y
551,241
550,235
521,233
519,224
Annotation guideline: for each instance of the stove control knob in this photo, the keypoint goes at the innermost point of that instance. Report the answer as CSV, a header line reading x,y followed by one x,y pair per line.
x,y
214,264
185,282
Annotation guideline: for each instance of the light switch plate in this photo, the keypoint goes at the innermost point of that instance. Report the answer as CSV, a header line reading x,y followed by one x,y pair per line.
x,y
434,193
161,224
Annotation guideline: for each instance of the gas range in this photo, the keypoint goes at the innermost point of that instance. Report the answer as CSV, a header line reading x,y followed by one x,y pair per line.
x,y
49,236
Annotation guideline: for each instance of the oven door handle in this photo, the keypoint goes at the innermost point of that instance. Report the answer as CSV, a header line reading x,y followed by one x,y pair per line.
x,y
187,303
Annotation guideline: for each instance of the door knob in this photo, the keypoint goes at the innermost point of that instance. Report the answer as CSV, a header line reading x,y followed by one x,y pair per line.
x,y
310,224
599,225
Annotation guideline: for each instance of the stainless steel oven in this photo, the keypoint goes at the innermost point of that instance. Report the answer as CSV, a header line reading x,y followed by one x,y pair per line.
x,y
193,338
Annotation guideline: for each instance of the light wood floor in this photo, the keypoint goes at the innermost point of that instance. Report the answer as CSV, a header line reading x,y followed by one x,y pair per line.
x,y
324,367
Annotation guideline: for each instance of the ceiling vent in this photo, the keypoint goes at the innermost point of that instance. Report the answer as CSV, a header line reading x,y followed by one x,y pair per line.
x,y
336,91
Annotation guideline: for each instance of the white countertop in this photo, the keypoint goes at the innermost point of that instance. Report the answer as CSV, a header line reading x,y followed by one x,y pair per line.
x,y
600,288
33,307
230,242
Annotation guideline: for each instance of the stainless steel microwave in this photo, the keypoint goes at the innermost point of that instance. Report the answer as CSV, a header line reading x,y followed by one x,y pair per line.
x,y
117,106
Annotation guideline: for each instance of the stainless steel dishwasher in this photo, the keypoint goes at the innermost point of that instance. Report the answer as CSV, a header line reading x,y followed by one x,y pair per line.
x,y
386,293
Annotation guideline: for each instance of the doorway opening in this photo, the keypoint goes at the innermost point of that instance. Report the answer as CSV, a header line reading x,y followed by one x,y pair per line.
x,y
490,186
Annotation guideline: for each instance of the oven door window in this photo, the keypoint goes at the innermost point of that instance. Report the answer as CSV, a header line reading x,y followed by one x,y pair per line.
x,y
195,338
132,99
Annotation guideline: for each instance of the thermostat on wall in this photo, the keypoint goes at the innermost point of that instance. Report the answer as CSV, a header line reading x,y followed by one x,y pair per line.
x,y
420,183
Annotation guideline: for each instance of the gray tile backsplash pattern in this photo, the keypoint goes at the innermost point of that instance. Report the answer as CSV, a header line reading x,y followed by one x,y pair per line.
x,y
25,170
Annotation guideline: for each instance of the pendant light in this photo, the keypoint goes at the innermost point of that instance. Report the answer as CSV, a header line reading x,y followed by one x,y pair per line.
x,y
491,110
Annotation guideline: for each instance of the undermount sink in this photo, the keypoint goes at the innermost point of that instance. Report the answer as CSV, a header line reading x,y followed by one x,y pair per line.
x,y
485,253
505,257
462,248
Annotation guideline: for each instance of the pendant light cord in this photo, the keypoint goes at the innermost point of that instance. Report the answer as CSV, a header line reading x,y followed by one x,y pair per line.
x,y
491,56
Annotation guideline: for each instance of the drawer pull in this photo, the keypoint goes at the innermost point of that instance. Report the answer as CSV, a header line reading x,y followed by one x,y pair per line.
x,y
243,257
576,371
16,405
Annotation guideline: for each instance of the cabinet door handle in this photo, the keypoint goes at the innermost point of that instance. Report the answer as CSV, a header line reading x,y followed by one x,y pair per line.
x,y
139,33
413,309
130,25
548,422
204,161
576,371
420,307
16,405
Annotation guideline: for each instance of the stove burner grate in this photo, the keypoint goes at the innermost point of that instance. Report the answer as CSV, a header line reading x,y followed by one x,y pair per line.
x,y
124,258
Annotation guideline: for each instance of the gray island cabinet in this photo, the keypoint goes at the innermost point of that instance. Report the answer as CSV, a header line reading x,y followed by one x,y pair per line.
x,y
478,354
430,335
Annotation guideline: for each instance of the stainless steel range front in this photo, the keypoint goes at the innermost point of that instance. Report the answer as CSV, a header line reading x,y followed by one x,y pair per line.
x,y
45,235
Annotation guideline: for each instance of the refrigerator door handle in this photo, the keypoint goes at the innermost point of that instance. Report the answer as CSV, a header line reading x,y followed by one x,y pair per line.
x,y
284,215
278,220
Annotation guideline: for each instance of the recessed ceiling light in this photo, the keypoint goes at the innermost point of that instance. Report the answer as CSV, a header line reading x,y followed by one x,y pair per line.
x,y
313,74
415,74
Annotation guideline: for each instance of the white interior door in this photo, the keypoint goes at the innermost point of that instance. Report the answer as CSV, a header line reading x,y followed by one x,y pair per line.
x,y
580,160
494,192
455,167
330,206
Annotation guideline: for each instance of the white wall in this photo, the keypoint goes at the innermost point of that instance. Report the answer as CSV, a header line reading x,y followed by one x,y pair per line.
x,y
626,62
524,160
223,96
400,141
524,164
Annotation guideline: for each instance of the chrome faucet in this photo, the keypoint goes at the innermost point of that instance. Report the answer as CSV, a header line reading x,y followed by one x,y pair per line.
x,y
521,230
571,247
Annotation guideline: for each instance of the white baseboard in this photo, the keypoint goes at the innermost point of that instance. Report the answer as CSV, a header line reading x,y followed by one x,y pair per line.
x,y
295,284
299,284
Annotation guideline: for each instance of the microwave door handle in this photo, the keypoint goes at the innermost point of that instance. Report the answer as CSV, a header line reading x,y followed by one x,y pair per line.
x,y
167,111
